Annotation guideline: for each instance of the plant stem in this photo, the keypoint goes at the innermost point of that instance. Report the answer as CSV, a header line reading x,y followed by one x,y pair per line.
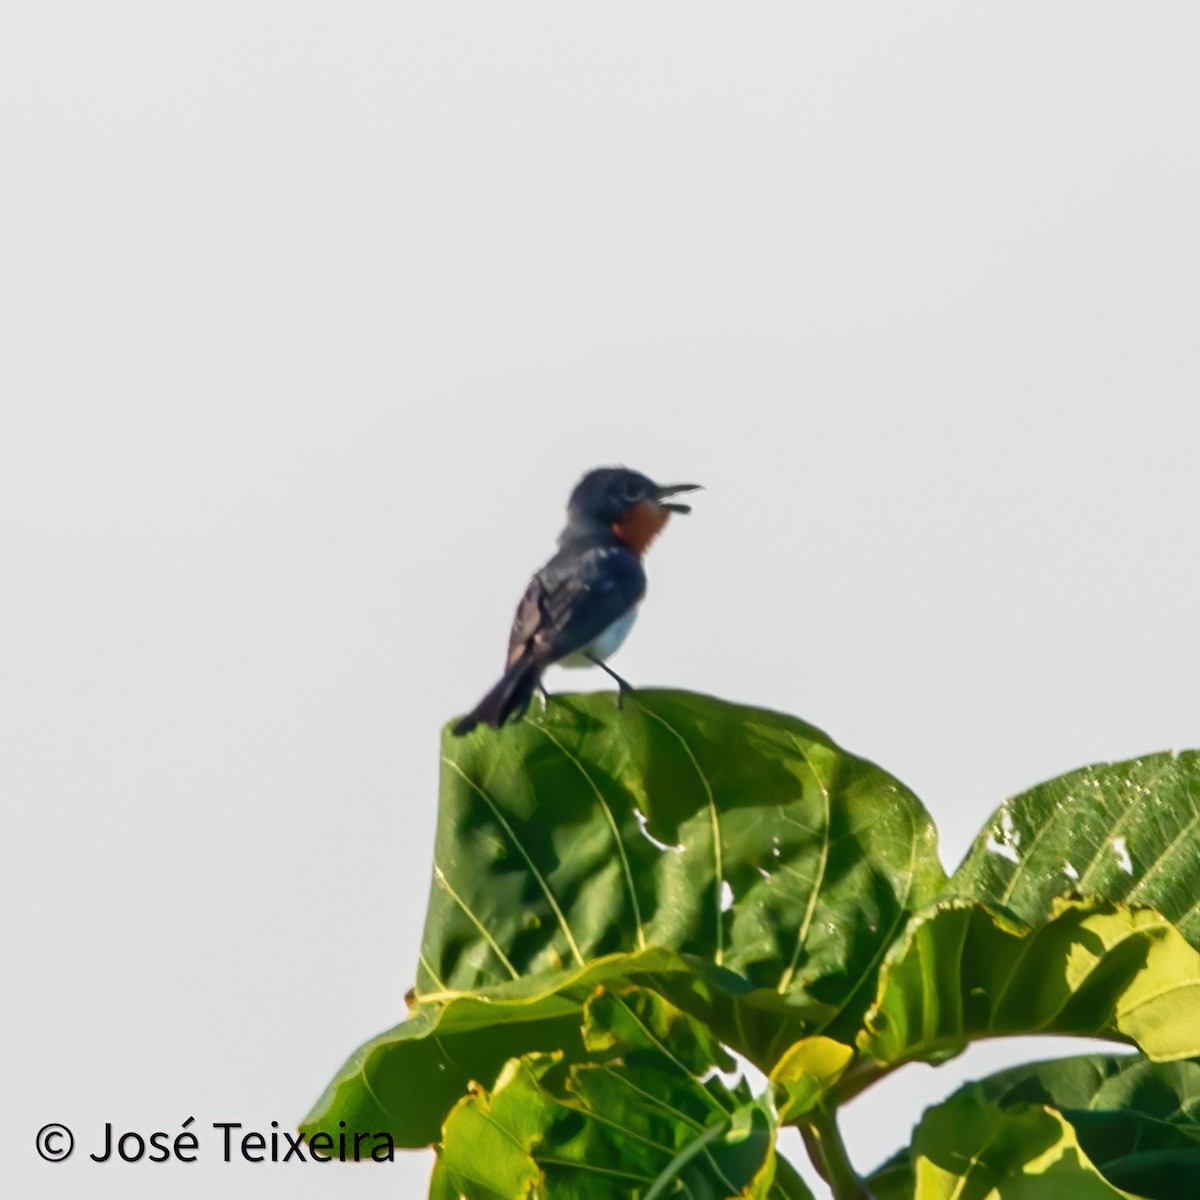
x,y
670,1173
862,1074
828,1152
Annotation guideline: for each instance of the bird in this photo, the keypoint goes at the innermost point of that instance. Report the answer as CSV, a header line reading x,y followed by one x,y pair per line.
x,y
579,607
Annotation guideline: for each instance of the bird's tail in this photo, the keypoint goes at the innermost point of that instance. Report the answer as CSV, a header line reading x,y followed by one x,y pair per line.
x,y
511,695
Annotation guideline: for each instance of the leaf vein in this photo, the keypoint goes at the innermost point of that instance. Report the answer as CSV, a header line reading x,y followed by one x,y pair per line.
x,y
440,876
516,841
719,953
612,824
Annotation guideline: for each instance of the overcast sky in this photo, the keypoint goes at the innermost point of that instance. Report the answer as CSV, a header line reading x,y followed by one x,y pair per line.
x,y
312,314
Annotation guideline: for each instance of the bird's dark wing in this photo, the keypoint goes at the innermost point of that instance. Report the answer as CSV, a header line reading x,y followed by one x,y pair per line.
x,y
528,618
572,599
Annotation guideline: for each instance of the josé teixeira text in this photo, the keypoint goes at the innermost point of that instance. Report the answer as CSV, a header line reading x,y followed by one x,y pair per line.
x,y
241,1145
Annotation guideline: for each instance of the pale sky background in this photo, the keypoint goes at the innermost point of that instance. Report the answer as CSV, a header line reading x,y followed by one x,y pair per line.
x,y
312,314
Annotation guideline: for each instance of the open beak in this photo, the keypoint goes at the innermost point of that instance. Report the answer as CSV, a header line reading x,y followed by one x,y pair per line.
x,y
662,495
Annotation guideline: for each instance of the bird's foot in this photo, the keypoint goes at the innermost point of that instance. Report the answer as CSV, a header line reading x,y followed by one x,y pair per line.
x,y
623,685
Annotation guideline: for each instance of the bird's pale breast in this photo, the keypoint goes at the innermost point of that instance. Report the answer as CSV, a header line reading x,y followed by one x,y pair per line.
x,y
604,644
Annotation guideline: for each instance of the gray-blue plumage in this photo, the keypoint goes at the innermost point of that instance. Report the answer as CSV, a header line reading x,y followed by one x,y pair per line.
x,y
579,607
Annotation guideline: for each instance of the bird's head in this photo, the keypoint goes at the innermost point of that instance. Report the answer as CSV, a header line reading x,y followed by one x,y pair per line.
x,y
633,506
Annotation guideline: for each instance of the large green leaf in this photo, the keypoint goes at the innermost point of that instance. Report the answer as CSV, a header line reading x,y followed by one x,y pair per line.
x,y
1133,1122
973,1149
963,972
1127,831
407,1079
752,868
734,859
743,838
1138,1121
645,1119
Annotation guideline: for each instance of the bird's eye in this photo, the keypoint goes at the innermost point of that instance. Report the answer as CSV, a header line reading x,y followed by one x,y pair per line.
x,y
632,492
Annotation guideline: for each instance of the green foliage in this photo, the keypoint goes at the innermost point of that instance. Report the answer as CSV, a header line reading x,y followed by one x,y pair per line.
x,y
1118,1126
1127,831
963,972
620,898
973,1149
740,838
642,1118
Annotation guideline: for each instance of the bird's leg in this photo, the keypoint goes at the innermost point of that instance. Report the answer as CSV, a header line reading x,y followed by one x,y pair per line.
x,y
540,688
623,685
